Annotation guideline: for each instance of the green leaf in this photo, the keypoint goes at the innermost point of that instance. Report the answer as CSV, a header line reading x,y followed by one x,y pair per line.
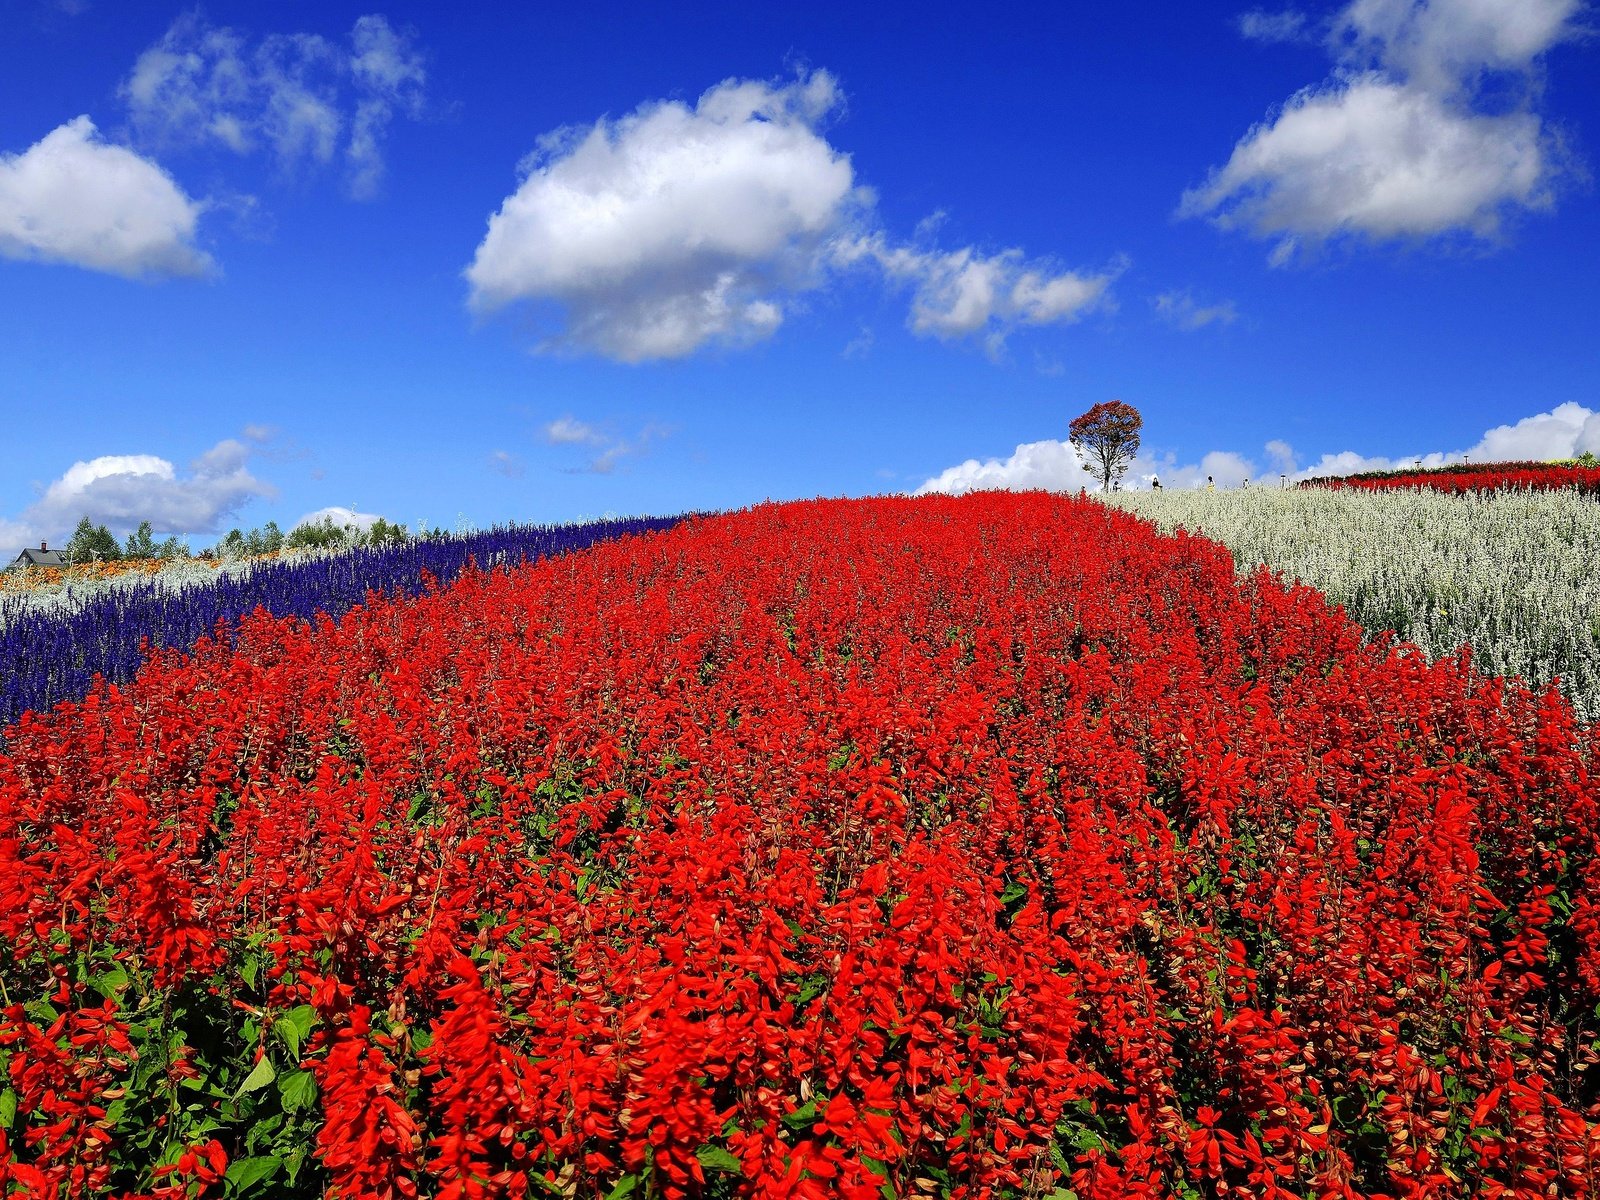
x,y
803,1117
625,1187
42,1012
715,1158
258,1078
245,1173
8,1108
811,987
1058,1158
110,984
294,1027
298,1090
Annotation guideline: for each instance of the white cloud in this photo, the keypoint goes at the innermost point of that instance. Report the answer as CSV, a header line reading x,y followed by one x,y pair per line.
x,y
962,293
391,73
1445,45
859,346
340,517
1380,159
121,490
1564,432
680,226
569,431
1285,26
674,226
607,449
74,198
1407,139
1054,466
1181,309
1280,455
503,462
299,97
1049,465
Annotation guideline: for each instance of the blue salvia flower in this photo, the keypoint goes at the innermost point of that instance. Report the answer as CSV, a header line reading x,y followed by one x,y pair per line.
x,y
53,654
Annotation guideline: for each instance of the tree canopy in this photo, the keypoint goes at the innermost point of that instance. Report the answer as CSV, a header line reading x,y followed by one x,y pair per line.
x,y
93,543
1107,438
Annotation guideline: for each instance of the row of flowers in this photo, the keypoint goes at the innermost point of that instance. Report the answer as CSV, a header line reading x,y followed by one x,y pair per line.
x,y
983,846
1474,477
52,652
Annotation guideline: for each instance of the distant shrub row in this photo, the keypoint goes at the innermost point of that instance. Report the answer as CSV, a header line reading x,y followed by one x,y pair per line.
x,y
93,543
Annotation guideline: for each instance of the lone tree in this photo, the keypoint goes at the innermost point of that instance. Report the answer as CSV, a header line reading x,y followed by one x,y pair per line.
x,y
1107,436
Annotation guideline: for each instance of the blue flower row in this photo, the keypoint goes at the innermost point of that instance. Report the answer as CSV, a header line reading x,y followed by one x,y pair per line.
x,y
52,654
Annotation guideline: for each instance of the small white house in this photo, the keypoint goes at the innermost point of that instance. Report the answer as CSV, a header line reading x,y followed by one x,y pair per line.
x,y
42,557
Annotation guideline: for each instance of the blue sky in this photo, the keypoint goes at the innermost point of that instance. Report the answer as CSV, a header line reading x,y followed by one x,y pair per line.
x,y
506,262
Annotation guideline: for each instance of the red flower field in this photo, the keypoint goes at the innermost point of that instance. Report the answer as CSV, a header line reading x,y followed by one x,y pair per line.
x,y
993,846
1474,477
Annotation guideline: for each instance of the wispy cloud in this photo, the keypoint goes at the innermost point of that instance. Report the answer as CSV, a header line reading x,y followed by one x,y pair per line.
x,y
966,293
303,99
569,431
1182,310
859,346
503,462
1287,25
607,451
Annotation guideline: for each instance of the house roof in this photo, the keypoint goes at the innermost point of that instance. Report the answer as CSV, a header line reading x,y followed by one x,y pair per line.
x,y
34,557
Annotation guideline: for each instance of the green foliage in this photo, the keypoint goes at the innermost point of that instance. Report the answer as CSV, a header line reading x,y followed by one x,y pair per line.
x,y
237,543
325,535
195,1073
141,543
93,543
319,535
383,533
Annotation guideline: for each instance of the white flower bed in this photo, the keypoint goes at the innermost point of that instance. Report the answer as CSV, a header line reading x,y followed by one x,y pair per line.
x,y
1511,574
